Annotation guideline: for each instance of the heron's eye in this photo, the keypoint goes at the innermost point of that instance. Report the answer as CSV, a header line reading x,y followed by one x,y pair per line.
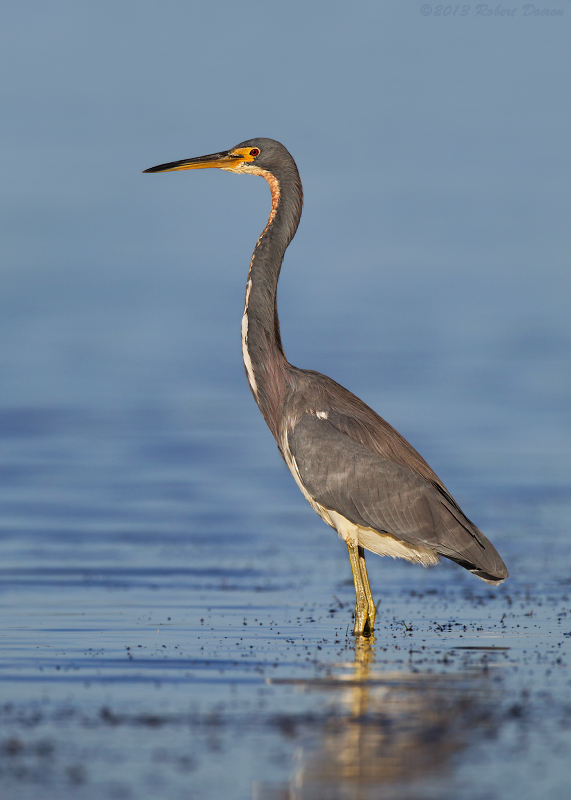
x,y
254,152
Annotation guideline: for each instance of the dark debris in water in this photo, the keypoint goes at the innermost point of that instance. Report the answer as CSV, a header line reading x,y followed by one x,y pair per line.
x,y
158,641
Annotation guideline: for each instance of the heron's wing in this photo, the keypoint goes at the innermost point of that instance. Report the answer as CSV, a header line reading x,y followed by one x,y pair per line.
x,y
347,412
374,492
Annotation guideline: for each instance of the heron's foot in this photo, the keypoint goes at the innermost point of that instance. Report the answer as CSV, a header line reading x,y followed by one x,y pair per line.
x,y
364,619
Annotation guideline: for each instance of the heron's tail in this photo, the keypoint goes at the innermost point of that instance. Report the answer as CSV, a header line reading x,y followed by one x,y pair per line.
x,y
465,544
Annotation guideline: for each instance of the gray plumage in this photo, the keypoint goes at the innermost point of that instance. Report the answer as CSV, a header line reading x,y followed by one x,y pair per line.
x,y
358,473
352,461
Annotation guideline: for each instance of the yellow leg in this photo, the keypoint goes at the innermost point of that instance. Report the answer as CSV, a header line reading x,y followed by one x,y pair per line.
x,y
367,587
364,607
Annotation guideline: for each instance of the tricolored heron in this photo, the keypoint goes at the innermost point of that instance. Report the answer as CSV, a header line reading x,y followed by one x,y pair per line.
x,y
361,476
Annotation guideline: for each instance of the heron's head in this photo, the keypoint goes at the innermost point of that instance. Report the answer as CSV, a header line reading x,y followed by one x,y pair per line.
x,y
255,156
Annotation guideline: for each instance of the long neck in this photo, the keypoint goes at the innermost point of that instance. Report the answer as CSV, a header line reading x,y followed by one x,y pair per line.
x,y
262,350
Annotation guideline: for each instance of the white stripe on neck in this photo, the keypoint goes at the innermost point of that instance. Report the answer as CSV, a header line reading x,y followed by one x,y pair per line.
x,y
245,352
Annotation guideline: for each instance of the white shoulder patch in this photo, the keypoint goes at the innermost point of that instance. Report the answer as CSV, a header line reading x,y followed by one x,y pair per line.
x,y
321,414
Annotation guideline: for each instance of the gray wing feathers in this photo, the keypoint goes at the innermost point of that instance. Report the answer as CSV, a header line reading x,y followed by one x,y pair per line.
x,y
375,492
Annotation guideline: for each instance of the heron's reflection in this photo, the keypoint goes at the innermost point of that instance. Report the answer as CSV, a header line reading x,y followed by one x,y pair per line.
x,y
385,733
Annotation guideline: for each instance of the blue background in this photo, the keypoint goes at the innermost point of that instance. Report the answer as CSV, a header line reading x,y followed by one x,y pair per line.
x,y
430,272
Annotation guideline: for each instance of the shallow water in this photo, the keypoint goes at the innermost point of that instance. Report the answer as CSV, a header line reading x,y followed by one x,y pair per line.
x,y
165,634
